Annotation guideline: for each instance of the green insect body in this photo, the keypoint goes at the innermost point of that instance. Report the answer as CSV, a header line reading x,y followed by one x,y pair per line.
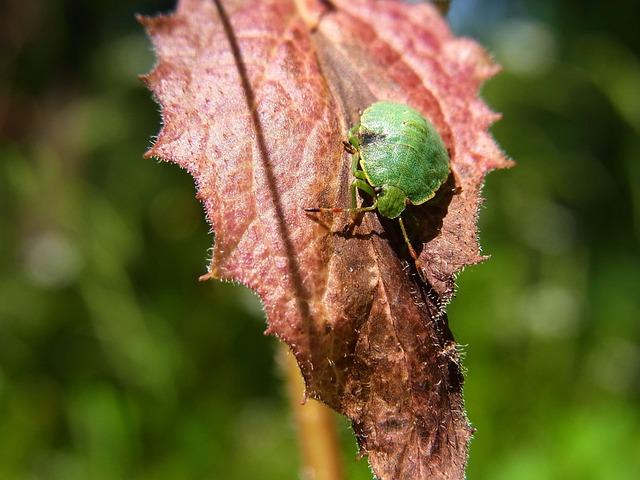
x,y
398,159
401,152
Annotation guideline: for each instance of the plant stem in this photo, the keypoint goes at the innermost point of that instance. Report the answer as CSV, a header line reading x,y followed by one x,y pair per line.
x,y
443,5
316,427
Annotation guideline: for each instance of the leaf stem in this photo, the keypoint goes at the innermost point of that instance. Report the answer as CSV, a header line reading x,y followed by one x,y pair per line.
x,y
442,5
317,436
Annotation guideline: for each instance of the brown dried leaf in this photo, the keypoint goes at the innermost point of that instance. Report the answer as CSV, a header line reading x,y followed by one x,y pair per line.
x,y
256,98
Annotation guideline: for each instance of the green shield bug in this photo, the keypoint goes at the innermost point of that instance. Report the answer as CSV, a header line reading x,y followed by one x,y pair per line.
x,y
399,159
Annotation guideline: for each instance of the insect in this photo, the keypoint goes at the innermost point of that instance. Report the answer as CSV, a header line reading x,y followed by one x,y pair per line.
x,y
398,158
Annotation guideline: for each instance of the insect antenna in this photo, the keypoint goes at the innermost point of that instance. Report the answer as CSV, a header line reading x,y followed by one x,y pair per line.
x,y
323,209
340,210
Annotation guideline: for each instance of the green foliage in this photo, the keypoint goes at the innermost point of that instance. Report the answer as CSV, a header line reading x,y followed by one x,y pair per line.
x,y
115,363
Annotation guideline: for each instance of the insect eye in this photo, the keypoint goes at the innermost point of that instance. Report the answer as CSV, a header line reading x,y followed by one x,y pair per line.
x,y
378,189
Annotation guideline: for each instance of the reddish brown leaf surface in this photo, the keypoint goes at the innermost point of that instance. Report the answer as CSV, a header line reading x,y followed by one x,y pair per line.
x,y
256,98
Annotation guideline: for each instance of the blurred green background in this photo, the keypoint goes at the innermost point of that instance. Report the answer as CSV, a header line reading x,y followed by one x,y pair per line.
x,y
115,363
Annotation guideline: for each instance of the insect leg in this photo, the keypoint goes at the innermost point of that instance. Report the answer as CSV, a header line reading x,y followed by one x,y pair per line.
x,y
358,183
349,148
361,175
355,163
353,136
412,252
354,210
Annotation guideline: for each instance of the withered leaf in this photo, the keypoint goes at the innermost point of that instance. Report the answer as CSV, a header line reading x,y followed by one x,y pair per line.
x,y
256,98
